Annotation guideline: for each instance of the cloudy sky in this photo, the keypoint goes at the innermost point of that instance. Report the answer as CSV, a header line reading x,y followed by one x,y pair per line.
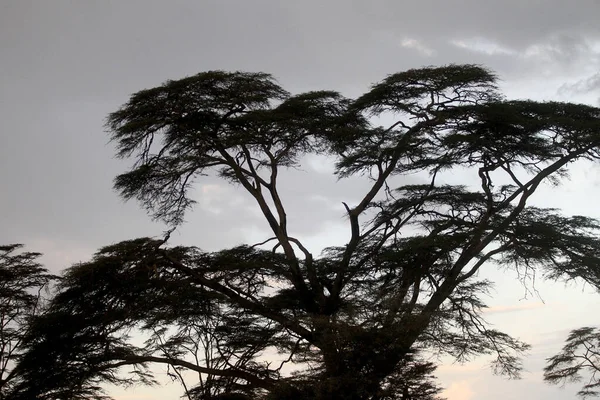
x,y
64,65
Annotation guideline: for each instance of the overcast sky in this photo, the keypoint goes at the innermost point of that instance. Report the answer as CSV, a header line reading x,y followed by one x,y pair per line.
x,y
64,65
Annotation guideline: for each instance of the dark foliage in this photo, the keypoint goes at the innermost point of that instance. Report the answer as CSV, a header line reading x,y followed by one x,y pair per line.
x,y
356,321
581,354
22,281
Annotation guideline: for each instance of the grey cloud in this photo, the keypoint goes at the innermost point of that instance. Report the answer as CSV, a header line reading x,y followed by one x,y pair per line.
x,y
586,86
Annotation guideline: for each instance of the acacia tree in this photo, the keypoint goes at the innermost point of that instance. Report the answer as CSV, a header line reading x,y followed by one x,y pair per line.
x,y
355,321
581,353
22,280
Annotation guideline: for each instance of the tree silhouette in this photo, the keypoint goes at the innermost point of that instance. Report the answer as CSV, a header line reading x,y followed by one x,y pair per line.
x,y
22,280
356,321
581,353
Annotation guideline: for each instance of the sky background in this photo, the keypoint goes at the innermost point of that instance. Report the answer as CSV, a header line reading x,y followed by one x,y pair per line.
x,y
64,65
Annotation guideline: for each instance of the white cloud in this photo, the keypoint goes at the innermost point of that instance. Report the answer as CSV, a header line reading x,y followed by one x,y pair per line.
x,y
482,45
414,44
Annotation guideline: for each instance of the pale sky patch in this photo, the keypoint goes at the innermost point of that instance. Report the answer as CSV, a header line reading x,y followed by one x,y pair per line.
x,y
320,164
482,45
59,254
461,390
417,45
514,308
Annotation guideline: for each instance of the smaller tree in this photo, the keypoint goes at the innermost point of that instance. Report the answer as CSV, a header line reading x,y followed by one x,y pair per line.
x,y
22,280
581,353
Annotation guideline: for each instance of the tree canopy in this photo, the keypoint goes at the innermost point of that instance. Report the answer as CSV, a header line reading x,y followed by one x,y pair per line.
x,y
273,320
